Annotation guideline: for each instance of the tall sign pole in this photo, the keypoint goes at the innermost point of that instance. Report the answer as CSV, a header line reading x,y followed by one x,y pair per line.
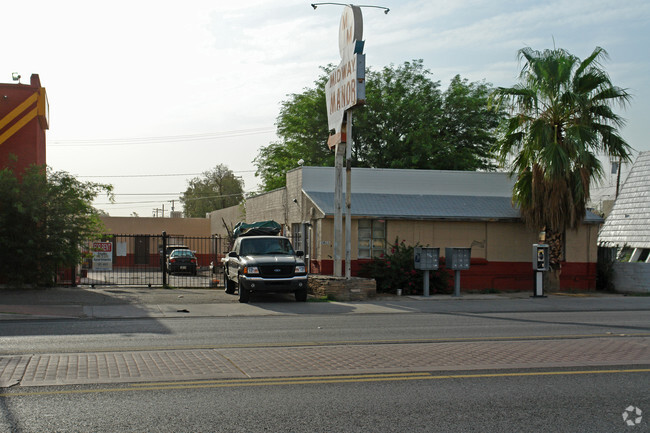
x,y
338,198
348,195
345,90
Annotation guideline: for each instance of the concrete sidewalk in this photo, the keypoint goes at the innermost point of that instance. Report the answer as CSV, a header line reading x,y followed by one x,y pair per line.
x,y
114,302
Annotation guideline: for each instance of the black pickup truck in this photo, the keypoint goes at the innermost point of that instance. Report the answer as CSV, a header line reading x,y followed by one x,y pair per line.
x,y
265,264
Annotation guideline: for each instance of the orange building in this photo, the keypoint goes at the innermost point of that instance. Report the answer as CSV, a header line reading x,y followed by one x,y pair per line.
x,y
24,117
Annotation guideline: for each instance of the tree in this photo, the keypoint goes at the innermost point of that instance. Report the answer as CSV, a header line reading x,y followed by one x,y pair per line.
x,y
467,130
406,122
46,218
302,128
561,120
398,125
216,189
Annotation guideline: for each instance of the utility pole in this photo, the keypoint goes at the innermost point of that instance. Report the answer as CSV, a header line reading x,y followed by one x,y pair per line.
x,y
159,209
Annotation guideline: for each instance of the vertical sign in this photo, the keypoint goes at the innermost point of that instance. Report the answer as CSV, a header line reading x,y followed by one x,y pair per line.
x,y
102,256
346,86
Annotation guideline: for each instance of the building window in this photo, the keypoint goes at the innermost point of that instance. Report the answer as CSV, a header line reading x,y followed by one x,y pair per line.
x,y
296,237
372,238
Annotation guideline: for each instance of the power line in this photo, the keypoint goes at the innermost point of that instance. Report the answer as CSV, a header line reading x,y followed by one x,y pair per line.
x,y
126,202
177,195
159,139
151,193
156,175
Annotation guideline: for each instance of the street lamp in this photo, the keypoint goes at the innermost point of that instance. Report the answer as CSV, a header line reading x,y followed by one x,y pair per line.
x,y
315,5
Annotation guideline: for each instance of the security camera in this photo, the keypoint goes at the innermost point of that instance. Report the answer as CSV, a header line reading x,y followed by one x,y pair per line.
x,y
301,161
15,76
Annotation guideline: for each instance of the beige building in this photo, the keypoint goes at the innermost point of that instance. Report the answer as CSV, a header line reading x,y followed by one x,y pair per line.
x,y
137,241
426,207
175,227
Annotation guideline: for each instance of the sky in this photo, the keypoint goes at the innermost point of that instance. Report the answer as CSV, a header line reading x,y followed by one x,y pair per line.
x,y
146,95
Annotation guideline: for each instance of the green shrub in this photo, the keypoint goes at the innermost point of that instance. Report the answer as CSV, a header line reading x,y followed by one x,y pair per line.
x,y
396,270
46,219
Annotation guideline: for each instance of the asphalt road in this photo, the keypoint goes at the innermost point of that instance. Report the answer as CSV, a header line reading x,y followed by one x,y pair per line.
x,y
74,335
512,401
576,398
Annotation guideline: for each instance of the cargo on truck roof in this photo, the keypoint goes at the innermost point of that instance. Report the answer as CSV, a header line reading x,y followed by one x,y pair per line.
x,y
259,228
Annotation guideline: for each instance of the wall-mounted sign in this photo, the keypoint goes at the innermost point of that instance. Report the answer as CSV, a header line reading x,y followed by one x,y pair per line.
x,y
346,86
120,249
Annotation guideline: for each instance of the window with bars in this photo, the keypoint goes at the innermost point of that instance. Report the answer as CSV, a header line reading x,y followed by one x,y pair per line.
x,y
296,236
372,238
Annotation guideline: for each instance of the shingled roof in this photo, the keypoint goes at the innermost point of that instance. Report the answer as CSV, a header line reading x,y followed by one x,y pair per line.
x,y
629,222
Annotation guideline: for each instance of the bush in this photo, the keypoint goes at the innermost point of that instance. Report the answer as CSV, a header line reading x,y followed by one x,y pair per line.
x,y
46,218
396,270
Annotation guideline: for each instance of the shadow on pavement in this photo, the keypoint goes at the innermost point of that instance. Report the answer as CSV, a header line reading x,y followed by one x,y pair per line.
x,y
60,296
57,310
285,303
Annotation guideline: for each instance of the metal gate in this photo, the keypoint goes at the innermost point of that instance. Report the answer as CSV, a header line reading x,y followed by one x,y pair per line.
x,y
140,260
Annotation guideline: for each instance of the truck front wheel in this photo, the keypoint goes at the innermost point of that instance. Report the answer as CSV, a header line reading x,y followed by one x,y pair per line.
x,y
244,294
301,295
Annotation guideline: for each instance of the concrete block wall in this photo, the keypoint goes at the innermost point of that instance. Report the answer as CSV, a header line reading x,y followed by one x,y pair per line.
x,y
267,206
295,209
231,215
632,277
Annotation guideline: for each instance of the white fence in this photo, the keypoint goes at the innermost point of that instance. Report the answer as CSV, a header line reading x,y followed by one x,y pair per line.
x,y
632,277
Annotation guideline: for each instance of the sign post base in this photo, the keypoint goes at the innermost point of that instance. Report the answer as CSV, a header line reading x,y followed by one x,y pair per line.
x,y
539,285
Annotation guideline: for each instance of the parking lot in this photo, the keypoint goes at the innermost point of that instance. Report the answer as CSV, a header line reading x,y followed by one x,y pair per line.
x,y
152,278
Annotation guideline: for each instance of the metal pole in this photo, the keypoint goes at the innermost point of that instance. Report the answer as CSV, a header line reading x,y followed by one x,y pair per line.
x,y
539,284
618,177
338,215
426,283
163,257
456,284
348,197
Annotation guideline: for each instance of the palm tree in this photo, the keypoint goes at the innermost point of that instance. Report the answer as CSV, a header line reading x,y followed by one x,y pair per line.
x,y
561,121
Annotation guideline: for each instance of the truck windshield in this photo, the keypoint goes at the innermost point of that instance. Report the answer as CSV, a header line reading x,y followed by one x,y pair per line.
x,y
265,246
